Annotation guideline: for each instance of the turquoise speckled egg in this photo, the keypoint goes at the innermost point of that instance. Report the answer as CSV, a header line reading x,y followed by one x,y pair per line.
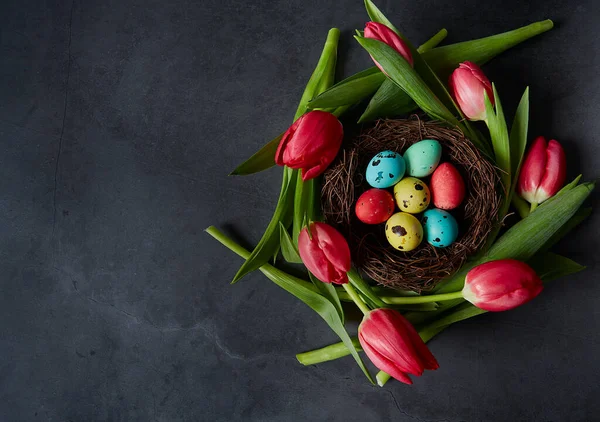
x,y
440,227
385,169
422,158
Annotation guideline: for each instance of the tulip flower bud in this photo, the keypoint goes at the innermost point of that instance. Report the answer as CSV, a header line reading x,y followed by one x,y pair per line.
x,y
501,285
468,84
379,31
325,253
393,345
311,143
543,172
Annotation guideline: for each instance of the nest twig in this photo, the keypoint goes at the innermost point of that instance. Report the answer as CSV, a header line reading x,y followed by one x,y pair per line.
x,y
422,268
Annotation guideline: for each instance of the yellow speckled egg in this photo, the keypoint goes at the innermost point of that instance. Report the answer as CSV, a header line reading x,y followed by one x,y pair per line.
x,y
412,195
404,231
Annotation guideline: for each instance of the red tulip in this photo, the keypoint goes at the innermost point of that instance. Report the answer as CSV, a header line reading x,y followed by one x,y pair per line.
x,y
379,31
325,253
468,84
393,345
544,171
311,143
501,285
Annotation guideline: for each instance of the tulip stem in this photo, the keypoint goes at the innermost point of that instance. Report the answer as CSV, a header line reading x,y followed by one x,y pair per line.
x,y
327,353
521,206
382,378
356,298
534,205
410,300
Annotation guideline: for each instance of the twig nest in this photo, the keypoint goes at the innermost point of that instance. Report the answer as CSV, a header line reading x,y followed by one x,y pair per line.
x,y
421,268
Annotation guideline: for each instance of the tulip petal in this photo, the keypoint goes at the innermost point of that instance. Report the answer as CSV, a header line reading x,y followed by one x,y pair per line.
x,y
334,246
533,170
383,363
468,85
501,285
285,139
381,32
325,253
390,334
312,256
555,172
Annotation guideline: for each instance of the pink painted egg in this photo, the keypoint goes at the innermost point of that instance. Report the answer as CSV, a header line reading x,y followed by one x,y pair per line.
x,y
375,206
447,187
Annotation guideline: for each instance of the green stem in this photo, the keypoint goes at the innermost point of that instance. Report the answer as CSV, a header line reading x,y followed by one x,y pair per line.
x,y
322,77
433,41
365,289
521,206
534,205
382,378
327,353
423,299
356,298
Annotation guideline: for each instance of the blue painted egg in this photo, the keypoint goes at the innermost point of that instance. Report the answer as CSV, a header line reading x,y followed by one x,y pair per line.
x,y
440,228
385,169
422,158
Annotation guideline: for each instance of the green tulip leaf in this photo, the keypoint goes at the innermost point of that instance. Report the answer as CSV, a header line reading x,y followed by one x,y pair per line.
x,y
500,141
261,160
361,85
269,243
388,101
518,136
351,90
365,289
573,222
445,59
403,75
328,291
288,248
550,266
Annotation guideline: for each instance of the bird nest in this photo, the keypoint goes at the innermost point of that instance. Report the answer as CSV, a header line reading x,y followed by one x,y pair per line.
x,y
422,268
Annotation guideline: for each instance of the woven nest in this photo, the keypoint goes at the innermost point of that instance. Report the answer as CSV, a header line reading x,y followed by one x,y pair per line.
x,y
423,267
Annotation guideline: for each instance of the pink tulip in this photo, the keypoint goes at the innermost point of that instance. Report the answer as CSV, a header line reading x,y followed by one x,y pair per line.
x,y
379,31
501,285
311,143
325,253
393,345
544,171
468,84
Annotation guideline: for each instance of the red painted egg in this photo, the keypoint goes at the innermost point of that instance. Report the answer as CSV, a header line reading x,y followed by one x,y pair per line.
x,y
447,187
375,206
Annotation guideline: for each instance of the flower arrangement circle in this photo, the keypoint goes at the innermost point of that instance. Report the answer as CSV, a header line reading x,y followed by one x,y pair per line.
x,y
472,262
424,267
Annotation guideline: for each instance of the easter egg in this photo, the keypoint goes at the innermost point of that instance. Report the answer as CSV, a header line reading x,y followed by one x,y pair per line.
x,y
375,206
440,227
403,231
422,158
412,195
385,169
447,187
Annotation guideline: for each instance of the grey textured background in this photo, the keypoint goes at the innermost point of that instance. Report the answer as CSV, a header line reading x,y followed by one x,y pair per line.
x,y
119,121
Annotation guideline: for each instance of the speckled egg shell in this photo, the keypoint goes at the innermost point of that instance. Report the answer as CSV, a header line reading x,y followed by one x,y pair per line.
x,y
422,158
385,169
412,195
375,206
440,227
404,231
447,187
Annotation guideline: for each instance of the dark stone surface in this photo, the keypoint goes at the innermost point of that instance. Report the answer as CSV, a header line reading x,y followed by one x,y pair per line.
x,y
119,121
